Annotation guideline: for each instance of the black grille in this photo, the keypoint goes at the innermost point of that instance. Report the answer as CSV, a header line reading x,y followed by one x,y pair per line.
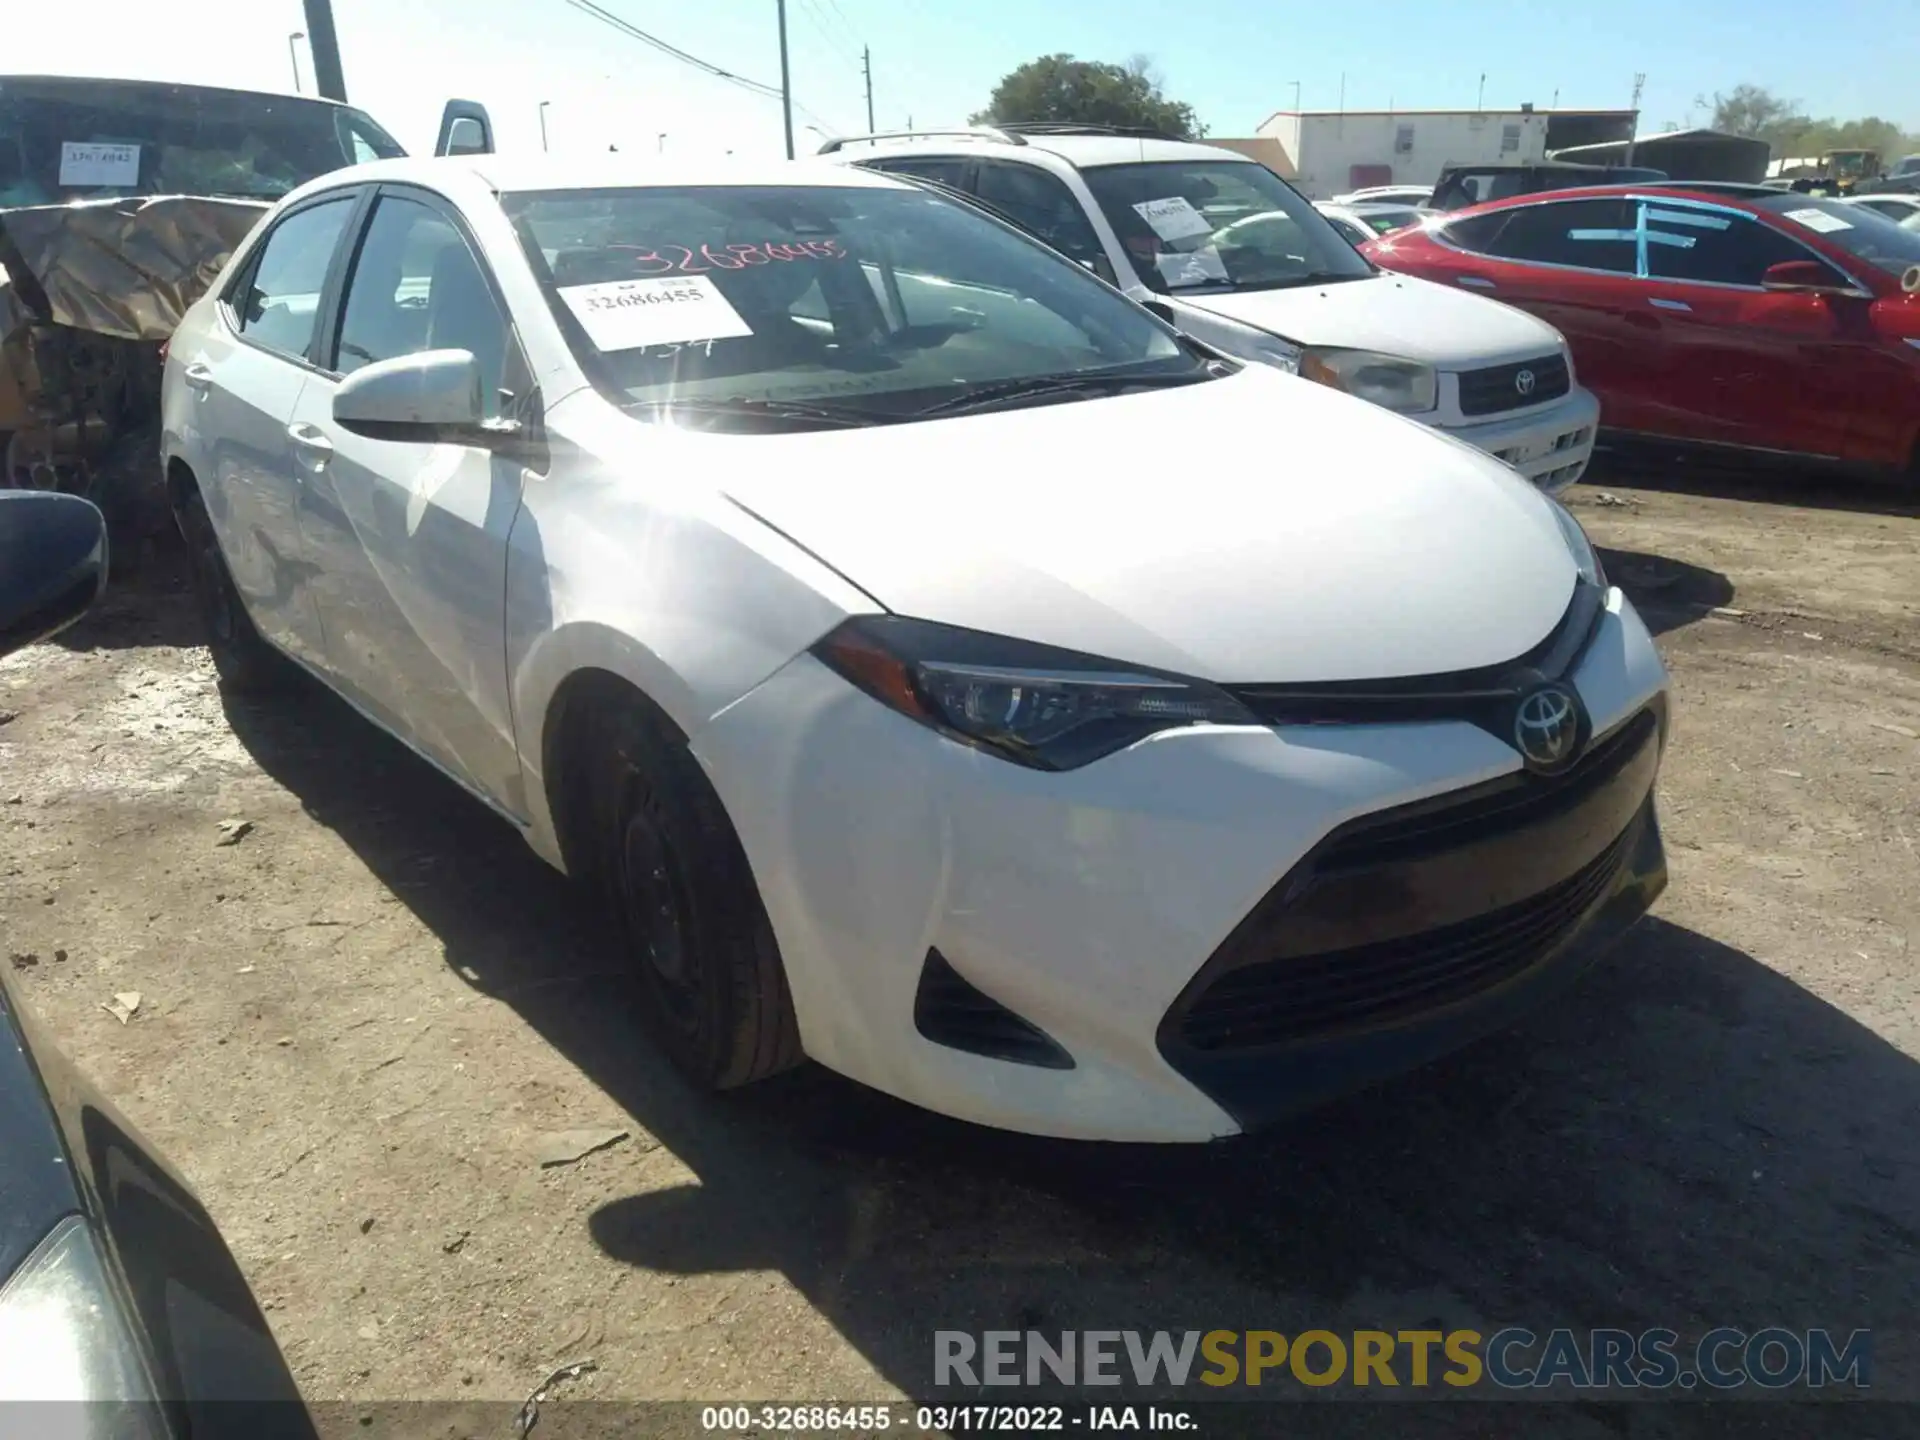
x,y
1497,388
949,1011
1317,996
1410,832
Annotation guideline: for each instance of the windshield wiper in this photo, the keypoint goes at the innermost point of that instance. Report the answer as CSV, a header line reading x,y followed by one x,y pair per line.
x,y
1312,277
826,416
1033,387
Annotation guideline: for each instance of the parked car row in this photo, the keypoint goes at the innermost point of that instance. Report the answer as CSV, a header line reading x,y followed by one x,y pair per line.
x,y
1232,255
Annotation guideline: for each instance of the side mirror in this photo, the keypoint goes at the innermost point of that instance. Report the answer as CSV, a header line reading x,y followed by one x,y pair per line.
x,y
430,398
465,129
53,564
1159,308
1803,275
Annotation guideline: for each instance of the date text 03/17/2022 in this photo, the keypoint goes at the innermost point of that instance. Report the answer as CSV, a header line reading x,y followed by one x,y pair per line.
x,y
942,1419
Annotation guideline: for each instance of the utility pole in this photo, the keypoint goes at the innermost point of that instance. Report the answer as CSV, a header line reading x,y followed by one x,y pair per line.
x,y
1480,98
1639,82
293,54
325,44
866,66
786,79
1296,95
543,125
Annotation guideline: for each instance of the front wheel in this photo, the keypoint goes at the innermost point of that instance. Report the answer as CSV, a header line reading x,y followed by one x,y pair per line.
x,y
708,971
243,658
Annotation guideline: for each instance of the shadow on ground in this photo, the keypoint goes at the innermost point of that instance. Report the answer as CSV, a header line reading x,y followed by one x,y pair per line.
x,y
153,607
1780,481
1687,1140
1668,593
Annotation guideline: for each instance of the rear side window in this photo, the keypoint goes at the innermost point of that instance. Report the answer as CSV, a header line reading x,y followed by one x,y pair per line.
x,y
1586,234
280,306
1718,249
947,169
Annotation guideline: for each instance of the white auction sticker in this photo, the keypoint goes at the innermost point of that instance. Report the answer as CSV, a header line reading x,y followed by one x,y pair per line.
x,y
1173,218
87,163
627,314
1819,220
1192,267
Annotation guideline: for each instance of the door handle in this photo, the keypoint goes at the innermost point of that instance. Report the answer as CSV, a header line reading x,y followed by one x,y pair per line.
x,y
1477,282
312,442
198,375
1679,305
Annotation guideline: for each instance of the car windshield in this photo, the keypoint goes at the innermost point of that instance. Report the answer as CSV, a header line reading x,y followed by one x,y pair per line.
x,y
63,140
1861,231
1217,225
740,306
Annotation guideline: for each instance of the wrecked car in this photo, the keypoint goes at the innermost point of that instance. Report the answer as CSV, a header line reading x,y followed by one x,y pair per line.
x,y
120,201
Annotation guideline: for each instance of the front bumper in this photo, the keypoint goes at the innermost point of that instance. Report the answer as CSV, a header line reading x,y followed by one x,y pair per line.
x,y
1551,447
1089,903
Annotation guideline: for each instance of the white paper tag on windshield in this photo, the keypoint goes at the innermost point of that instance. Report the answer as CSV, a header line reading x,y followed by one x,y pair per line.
x,y
627,314
1173,218
91,164
1819,220
1194,267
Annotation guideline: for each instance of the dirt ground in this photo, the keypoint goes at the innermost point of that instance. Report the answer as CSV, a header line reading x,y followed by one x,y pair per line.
x,y
358,1024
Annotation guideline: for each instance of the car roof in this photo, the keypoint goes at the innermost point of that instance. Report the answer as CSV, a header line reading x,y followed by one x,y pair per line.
x,y
1711,192
512,173
1079,150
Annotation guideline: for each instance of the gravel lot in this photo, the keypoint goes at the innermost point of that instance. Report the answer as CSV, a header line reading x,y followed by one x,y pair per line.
x,y
359,1024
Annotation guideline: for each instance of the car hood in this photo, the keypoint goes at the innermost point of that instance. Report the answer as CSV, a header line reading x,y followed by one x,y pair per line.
x,y
1254,528
1395,314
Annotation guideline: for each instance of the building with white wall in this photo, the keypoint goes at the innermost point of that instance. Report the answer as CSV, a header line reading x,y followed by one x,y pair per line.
x,y
1329,152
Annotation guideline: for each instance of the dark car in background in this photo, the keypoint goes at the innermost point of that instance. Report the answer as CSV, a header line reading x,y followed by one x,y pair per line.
x,y
1463,185
119,202
1720,314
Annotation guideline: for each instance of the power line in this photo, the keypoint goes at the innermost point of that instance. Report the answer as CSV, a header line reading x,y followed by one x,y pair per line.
x,y
818,20
632,31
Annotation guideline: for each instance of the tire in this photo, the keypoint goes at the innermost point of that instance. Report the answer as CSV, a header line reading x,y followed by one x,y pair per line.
x,y
710,985
246,663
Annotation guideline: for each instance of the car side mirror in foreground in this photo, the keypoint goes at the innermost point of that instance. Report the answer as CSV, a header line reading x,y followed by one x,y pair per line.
x,y
53,564
430,398
1803,275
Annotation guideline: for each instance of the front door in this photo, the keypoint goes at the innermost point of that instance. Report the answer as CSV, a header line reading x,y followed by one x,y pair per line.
x,y
247,378
1756,367
409,539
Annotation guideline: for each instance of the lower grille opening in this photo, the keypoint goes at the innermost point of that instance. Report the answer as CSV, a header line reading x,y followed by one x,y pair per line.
x,y
1317,996
951,1012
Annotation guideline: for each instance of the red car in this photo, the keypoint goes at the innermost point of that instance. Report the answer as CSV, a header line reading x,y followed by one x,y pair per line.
x,y
1728,315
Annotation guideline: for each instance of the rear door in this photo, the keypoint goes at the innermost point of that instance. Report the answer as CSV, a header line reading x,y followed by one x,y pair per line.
x,y
410,540
1572,263
247,376
1768,369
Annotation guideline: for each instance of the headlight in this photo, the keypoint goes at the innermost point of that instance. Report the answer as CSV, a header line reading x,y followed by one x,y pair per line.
x,y
63,1338
1386,380
1031,704
1584,555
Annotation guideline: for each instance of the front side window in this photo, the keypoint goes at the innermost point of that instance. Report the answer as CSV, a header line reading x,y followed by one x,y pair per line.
x,y
1866,236
1219,225
279,306
416,286
868,302
1715,247
947,170
1040,204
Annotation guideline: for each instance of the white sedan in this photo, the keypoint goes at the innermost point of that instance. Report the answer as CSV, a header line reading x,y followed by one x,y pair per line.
x,y
883,614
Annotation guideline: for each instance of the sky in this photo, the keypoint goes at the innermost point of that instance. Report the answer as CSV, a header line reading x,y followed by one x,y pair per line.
x,y
936,61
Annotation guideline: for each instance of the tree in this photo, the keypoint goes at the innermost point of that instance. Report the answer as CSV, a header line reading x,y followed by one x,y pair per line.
x,y
1089,92
1754,110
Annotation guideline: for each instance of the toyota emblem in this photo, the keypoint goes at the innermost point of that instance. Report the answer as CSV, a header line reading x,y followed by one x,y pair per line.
x,y
1524,382
1546,728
